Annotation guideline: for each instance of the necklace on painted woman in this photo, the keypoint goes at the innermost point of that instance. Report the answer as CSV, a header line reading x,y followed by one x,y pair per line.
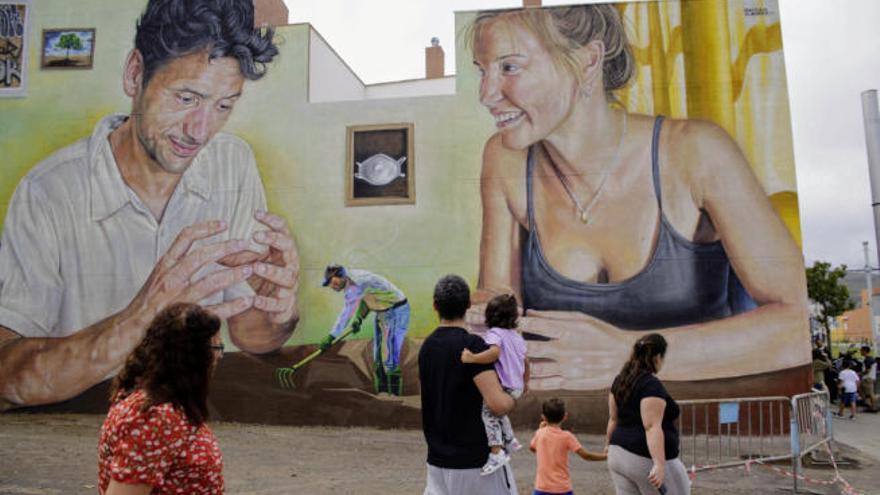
x,y
584,212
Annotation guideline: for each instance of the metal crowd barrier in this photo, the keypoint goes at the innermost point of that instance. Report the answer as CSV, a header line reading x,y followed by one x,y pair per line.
x,y
723,433
810,427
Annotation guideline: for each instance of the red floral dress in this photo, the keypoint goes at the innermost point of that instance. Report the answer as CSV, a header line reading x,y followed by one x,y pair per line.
x,y
158,447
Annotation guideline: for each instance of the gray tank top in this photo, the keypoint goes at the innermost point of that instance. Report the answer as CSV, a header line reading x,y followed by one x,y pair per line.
x,y
683,282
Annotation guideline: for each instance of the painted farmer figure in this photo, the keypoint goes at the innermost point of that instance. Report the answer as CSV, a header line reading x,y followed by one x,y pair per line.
x,y
365,292
156,207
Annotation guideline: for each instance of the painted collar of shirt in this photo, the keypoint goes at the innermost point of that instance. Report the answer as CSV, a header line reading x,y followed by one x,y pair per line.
x,y
109,192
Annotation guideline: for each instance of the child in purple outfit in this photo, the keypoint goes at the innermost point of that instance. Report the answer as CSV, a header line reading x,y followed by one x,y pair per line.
x,y
507,349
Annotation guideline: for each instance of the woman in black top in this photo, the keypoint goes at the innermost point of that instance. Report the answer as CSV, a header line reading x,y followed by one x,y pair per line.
x,y
642,440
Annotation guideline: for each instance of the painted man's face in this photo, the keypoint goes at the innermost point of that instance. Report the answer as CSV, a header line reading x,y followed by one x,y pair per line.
x,y
183,105
527,93
337,283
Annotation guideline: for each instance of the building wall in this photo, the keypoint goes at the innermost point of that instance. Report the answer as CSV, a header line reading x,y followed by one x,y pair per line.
x,y
412,89
296,118
855,324
330,79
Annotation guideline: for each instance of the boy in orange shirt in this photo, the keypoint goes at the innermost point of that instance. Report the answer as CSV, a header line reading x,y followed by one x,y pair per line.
x,y
552,444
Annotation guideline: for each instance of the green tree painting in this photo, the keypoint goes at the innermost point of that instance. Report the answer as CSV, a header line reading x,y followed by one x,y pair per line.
x,y
70,41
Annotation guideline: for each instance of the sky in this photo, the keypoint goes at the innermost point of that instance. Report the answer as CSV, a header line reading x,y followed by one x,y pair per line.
x,y
832,54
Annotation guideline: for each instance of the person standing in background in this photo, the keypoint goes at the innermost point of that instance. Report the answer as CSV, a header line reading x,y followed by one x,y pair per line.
x,y
849,386
868,379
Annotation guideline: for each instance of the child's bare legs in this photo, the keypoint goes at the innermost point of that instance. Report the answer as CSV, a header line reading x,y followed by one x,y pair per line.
x,y
847,399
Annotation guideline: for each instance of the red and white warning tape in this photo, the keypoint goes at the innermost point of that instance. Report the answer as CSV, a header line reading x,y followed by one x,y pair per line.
x,y
847,488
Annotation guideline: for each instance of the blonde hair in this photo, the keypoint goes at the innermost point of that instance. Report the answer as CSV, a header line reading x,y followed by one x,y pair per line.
x,y
563,30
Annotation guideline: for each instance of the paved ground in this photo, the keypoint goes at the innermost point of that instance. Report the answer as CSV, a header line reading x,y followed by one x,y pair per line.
x,y
55,454
862,432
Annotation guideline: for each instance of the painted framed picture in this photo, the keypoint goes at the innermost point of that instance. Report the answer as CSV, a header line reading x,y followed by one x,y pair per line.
x,y
379,168
72,48
14,35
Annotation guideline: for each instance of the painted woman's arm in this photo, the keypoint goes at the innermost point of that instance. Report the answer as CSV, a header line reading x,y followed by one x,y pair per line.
x,y
761,250
500,239
585,353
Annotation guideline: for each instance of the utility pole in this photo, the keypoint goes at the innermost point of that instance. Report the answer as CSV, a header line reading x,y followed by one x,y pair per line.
x,y
870,287
871,114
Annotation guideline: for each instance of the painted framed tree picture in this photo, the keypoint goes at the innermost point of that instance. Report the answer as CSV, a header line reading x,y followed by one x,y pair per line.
x,y
14,35
72,48
379,167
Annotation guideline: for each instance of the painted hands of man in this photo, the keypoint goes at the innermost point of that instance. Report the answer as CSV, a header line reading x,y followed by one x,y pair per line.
x,y
275,273
580,352
171,279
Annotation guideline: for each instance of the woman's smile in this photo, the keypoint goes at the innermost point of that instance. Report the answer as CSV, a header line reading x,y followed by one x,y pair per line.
x,y
508,119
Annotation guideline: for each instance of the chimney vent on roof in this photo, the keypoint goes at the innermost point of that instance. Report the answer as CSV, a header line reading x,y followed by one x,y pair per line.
x,y
434,60
270,13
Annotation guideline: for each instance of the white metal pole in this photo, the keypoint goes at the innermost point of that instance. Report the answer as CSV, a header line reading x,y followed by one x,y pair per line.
x,y
870,291
871,114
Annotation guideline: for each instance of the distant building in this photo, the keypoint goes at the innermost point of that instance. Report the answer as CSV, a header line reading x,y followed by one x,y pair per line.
x,y
854,325
855,282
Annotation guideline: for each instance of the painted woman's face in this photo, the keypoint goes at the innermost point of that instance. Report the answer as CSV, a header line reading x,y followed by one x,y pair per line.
x,y
529,95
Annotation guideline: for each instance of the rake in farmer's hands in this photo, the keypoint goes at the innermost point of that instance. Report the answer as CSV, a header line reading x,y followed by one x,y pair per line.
x,y
284,376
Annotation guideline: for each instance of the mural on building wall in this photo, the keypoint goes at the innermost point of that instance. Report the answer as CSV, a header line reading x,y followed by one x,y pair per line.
x,y
13,47
606,221
619,168
154,207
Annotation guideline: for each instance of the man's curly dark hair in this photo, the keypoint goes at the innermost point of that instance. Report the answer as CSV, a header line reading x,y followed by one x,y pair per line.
x,y
174,361
173,28
452,297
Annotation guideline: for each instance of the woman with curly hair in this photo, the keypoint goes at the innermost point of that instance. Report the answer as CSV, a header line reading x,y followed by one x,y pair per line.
x,y
155,440
642,440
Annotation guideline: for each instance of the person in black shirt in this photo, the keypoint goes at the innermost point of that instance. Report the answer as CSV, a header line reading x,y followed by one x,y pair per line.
x,y
868,378
452,398
642,440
